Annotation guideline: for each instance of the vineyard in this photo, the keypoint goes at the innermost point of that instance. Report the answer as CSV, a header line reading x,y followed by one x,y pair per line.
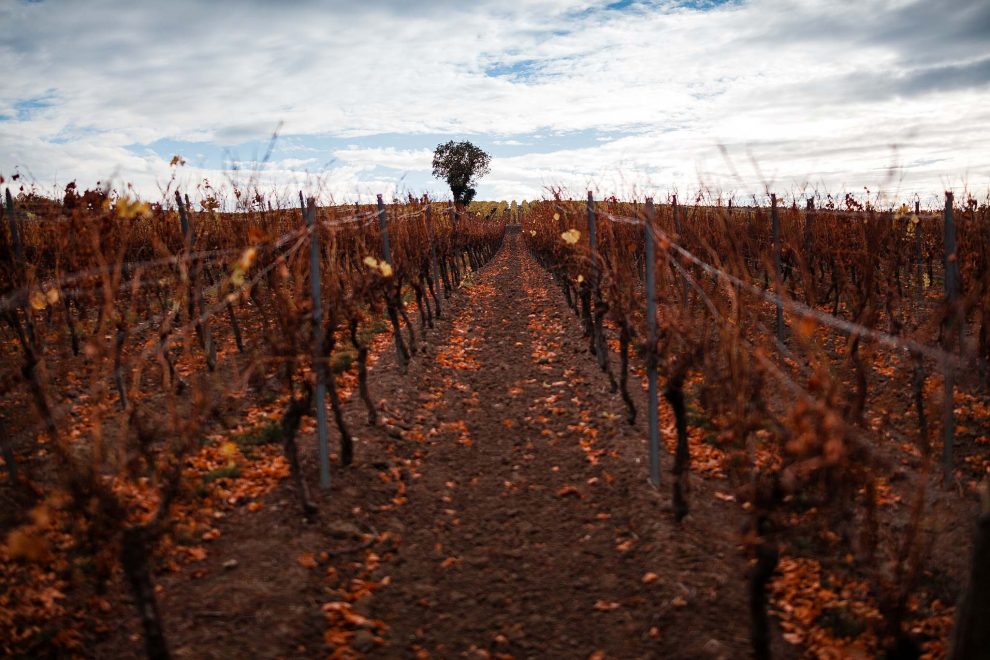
x,y
817,360
561,429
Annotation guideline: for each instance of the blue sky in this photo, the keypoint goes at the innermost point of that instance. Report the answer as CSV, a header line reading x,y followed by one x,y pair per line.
x,y
632,97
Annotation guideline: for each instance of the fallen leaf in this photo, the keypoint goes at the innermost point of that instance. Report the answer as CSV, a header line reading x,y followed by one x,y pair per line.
x,y
30,546
792,638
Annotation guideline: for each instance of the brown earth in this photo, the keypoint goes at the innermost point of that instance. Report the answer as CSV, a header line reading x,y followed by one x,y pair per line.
x,y
501,508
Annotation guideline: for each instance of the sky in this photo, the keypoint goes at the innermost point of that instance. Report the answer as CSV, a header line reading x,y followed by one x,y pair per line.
x,y
632,98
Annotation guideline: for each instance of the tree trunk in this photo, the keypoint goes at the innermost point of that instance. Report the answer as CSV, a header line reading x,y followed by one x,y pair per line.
x,y
290,426
674,394
624,372
971,637
134,560
767,557
362,350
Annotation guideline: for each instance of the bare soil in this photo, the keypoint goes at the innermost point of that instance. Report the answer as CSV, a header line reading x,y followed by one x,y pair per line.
x,y
502,507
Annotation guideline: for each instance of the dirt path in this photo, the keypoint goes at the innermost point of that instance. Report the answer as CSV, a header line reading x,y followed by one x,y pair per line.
x,y
502,509
530,528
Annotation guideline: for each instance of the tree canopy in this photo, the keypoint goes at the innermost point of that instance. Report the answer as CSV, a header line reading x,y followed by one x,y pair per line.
x,y
461,164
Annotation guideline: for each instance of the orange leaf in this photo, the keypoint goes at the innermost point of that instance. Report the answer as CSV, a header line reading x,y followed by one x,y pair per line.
x,y
792,638
30,546
307,560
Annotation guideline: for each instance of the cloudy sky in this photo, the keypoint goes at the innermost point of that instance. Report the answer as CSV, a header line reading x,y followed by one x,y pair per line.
x,y
628,97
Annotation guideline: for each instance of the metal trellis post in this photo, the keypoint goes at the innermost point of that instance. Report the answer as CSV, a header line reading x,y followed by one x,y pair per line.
x,y
651,348
433,256
954,325
319,360
15,235
775,221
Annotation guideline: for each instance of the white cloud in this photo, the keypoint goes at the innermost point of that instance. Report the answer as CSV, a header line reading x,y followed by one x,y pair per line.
x,y
813,92
397,159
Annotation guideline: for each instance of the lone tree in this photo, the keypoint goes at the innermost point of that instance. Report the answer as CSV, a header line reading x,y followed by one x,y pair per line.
x,y
460,163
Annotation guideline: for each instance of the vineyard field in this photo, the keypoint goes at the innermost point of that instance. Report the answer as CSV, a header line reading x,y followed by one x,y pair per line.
x,y
562,428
